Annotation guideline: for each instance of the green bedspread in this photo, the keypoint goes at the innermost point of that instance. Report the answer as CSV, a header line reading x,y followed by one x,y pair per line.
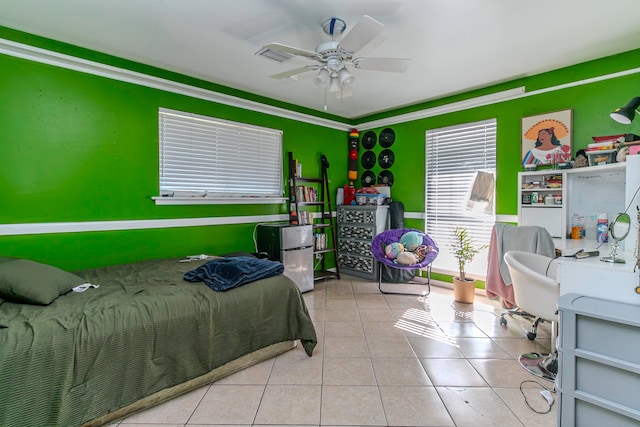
x,y
144,329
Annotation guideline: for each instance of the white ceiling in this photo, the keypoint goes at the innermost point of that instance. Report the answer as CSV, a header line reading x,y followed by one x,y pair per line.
x,y
455,45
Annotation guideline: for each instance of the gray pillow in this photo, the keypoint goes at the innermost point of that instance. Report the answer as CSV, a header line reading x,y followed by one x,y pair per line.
x,y
30,282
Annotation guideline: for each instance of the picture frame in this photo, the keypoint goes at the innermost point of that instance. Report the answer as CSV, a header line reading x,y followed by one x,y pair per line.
x,y
546,139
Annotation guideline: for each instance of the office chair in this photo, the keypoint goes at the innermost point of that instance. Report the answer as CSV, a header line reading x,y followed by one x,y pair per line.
x,y
536,291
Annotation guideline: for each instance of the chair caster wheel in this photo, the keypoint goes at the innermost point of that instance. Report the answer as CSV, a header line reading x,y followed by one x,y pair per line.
x,y
531,336
503,321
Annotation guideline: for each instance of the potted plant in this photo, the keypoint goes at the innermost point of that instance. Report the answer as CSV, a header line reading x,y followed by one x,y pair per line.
x,y
463,248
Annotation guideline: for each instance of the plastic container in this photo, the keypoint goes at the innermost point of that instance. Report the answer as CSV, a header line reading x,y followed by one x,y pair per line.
x,y
602,228
601,157
369,199
577,227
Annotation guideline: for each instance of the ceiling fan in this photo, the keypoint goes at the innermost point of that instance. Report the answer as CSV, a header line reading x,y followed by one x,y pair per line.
x,y
333,57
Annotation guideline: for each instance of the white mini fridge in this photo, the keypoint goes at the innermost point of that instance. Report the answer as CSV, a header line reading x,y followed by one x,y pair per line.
x,y
292,245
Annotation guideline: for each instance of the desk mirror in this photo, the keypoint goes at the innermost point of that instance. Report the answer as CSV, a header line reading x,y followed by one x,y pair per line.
x,y
618,231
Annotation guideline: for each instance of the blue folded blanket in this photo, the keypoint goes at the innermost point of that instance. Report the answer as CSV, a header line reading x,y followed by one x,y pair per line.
x,y
222,274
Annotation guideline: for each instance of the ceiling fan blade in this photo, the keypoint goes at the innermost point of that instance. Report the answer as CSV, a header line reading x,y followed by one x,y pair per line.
x,y
365,30
294,72
281,53
394,65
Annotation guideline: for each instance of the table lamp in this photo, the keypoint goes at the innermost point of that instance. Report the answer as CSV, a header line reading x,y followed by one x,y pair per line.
x,y
625,114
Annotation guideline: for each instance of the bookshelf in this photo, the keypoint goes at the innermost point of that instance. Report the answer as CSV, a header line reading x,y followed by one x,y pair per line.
x,y
310,204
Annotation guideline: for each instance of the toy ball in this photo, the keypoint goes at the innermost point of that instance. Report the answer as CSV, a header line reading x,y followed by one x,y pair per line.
x,y
407,258
392,250
422,251
411,240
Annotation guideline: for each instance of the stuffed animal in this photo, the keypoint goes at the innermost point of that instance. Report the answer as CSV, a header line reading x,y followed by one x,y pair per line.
x,y
422,251
581,159
622,155
392,250
411,240
407,258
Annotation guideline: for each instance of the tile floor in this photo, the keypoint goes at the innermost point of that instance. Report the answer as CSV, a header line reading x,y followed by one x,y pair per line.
x,y
381,360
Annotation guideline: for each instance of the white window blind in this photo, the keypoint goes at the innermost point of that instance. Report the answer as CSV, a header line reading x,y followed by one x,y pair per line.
x,y
206,157
455,156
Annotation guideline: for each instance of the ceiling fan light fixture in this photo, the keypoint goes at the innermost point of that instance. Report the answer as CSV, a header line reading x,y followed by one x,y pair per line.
x,y
334,84
322,78
346,78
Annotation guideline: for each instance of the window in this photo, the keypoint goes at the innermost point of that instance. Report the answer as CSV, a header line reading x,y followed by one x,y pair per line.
x,y
460,166
207,158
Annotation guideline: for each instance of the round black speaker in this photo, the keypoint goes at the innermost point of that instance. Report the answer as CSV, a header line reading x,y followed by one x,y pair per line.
x,y
368,159
386,158
385,178
367,179
387,137
369,140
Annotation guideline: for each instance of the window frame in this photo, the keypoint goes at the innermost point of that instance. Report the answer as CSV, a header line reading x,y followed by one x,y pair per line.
x,y
448,183
240,173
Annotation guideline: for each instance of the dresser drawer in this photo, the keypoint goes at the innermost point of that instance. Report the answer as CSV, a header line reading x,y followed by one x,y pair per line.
x,y
356,215
355,232
359,263
355,247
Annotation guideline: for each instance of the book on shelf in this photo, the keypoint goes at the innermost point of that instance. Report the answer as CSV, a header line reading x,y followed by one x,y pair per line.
x,y
305,218
306,194
320,241
298,171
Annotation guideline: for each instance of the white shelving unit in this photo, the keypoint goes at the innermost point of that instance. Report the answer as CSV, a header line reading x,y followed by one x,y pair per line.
x,y
584,191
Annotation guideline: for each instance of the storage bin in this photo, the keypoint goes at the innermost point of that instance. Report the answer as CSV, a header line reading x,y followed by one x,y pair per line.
x,y
370,199
601,157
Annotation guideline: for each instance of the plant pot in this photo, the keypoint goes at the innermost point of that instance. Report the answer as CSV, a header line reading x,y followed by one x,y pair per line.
x,y
464,290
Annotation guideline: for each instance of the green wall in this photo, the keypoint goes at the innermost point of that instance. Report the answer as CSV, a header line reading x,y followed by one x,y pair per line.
x,y
591,104
78,147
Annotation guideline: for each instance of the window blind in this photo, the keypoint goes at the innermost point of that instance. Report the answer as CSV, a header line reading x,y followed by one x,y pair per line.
x,y
454,157
208,157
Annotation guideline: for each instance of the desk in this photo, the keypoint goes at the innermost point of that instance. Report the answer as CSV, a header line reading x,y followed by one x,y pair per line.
x,y
594,278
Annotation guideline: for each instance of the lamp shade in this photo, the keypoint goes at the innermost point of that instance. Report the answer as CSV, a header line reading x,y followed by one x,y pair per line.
x,y
625,114
322,78
334,84
346,78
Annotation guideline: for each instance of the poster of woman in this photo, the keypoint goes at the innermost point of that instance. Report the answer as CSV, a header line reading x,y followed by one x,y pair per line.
x,y
546,138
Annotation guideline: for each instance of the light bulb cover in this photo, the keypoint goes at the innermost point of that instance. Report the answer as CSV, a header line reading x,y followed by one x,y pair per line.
x,y
334,84
322,78
626,114
346,78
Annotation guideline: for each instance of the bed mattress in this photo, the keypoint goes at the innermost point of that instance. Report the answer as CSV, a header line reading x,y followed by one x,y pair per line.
x,y
143,330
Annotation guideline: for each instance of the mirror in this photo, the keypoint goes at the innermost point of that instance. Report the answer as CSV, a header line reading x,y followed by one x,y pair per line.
x,y
618,231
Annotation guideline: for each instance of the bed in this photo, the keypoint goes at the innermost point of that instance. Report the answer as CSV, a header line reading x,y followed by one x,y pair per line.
x,y
143,336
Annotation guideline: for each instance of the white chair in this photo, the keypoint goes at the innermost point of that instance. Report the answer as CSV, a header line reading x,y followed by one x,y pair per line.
x,y
536,290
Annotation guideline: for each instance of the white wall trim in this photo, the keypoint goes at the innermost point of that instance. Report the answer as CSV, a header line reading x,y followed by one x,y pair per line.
x,y
142,224
56,59
493,98
507,218
44,56
88,226
466,104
